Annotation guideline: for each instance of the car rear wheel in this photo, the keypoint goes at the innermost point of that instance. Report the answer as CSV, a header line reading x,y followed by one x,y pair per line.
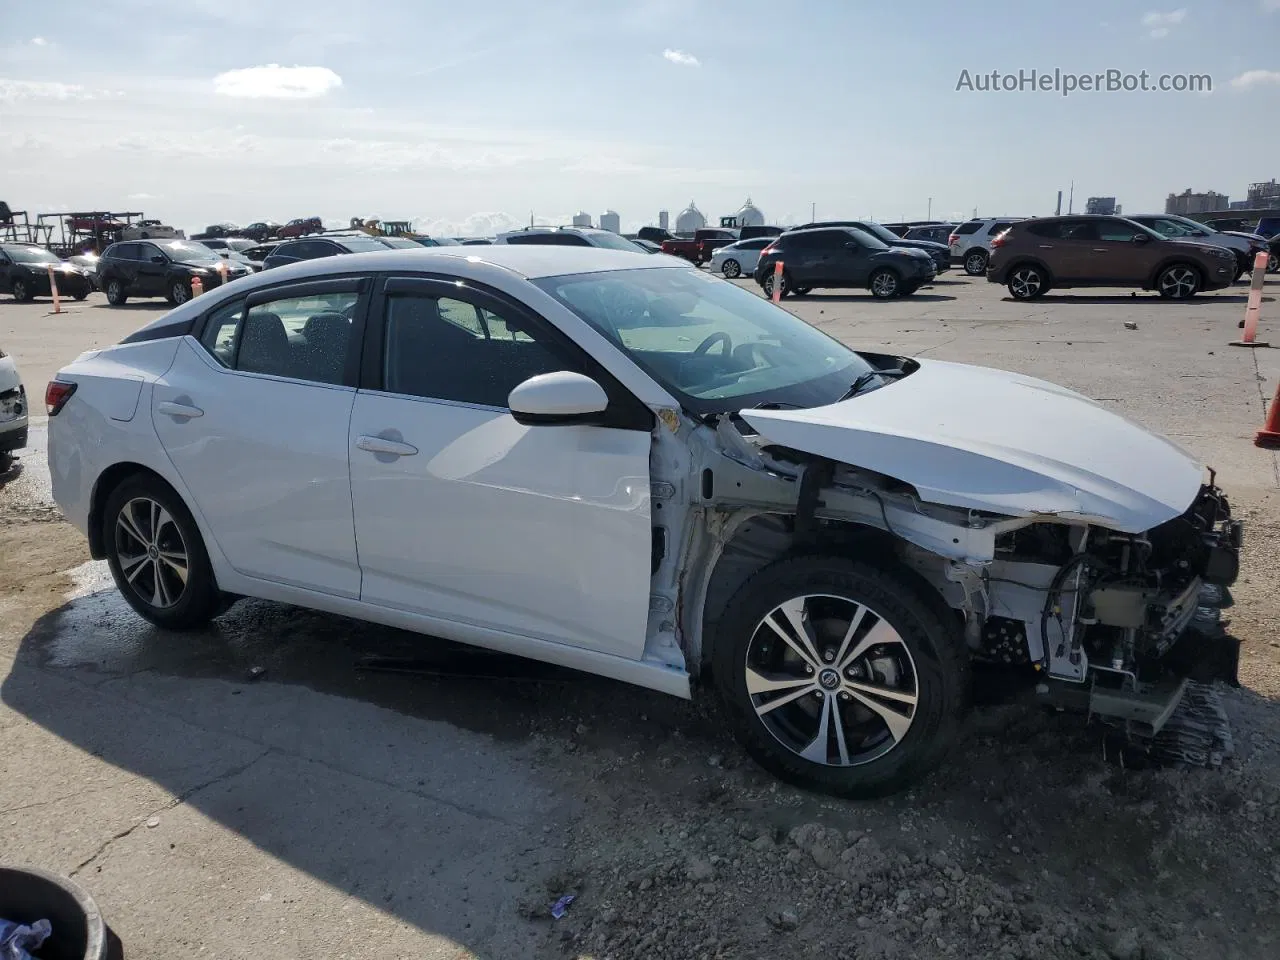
x,y
840,676
1026,282
1273,263
975,263
22,291
81,294
115,293
884,284
767,284
731,268
179,292
801,291
156,555
1178,281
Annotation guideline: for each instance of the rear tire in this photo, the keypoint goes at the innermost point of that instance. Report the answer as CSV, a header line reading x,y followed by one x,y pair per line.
x,y
884,284
157,556
1026,282
732,269
767,285
1178,281
861,718
22,291
115,293
975,263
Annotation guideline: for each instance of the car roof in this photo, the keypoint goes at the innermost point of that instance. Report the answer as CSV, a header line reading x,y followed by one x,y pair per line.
x,y
529,261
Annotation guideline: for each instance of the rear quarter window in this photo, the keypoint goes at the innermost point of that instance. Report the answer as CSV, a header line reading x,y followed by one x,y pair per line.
x,y
970,227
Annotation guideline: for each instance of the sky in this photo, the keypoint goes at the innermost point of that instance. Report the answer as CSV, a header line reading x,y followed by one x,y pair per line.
x,y
472,117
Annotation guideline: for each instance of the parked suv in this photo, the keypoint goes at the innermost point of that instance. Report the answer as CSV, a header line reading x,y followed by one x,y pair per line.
x,y
313,248
1245,246
161,268
569,237
1034,256
842,257
970,242
938,251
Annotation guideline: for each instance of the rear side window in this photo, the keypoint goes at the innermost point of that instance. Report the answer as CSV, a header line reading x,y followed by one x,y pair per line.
x,y
124,251
810,240
1052,229
970,226
302,338
1000,226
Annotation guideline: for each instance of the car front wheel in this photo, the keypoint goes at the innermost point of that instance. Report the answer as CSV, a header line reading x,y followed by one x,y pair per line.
x,y
1178,281
115,293
1026,282
731,268
975,263
179,292
840,676
156,555
22,291
767,285
884,284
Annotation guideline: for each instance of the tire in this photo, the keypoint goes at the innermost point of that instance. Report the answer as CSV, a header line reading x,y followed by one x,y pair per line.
x,y
115,293
909,289
920,655
1178,281
149,536
179,292
82,295
801,291
22,291
975,262
731,268
1026,282
1273,263
767,285
884,284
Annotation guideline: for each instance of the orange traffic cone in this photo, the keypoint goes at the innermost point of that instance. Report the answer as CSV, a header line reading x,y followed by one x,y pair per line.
x,y
1269,435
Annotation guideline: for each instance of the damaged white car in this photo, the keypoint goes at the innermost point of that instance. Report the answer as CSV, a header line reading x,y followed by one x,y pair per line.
x,y
641,471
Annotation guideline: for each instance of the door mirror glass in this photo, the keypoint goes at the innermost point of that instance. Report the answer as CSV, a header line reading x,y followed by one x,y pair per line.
x,y
157,259
1140,238
853,245
557,398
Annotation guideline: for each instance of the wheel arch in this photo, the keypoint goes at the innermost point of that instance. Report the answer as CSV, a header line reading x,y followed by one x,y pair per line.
x,y
107,482
1173,260
1029,261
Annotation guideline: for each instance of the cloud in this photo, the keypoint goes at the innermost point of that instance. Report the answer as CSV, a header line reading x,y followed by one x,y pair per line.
x,y
1269,6
680,58
13,90
1159,24
142,196
1256,78
39,42
276,82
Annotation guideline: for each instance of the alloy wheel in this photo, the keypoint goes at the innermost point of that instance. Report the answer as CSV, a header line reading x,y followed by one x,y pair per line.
x,y
113,291
152,554
181,293
975,264
1025,283
731,269
884,284
20,290
831,680
1178,282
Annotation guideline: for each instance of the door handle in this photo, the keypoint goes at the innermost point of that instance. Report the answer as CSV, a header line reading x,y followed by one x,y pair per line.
x,y
1099,249
1046,246
171,409
393,448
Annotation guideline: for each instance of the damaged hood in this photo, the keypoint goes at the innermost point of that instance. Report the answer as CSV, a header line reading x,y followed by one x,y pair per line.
x,y
984,439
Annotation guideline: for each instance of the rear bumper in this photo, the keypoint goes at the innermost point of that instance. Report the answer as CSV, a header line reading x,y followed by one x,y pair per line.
x,y
13,436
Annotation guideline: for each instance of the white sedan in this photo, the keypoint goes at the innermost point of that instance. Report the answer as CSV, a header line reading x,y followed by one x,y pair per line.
x,y
13,411
597,459
739,258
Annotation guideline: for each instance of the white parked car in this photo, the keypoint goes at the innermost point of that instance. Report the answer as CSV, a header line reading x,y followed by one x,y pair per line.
x,y
568,237
13,411
739,258
593,458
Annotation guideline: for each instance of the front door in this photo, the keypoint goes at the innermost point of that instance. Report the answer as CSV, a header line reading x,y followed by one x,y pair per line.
x,y
254,418
463,513
851,262
151,265
1122,253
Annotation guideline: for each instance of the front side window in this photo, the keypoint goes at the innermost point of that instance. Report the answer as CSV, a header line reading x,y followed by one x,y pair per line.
x,y
712,344
1116,232
443,348
302,338
182,251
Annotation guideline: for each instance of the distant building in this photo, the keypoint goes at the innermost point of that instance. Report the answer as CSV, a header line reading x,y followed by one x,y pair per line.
x,y
1186,203
664,220
609,220
1265,196
690,219
582,219
749,215
1102,206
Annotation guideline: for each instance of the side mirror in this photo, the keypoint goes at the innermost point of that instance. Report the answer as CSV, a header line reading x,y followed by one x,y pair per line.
x,y
157,259
556,399
1141,238
853,245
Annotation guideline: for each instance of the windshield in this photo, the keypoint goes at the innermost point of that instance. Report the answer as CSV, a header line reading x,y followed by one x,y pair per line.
x,y
30,255
715,346
402,243
186,250
1193,229
867,240
880,233
611,241
361,244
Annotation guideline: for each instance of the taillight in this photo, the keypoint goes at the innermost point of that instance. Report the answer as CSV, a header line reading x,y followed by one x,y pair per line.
x,y
56,395
1000,239
766,251
953,239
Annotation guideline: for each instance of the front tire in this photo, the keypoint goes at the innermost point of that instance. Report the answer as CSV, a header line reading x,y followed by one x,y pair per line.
x,y
840,676
767,285
179,293
801,291
884,284
115,293
975,263
157,556
22,291
1027,282
1178,281
731,268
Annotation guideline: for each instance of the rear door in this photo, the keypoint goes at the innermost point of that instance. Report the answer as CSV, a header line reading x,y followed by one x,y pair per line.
x,y
254,417
465,514
121,262
804,258
1066,246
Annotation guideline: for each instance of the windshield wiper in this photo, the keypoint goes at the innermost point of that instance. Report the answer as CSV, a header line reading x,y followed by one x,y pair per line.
x,y
864,379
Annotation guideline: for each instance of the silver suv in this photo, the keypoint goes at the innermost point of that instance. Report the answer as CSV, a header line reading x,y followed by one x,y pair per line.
x,y
569,237
970,242
1245,246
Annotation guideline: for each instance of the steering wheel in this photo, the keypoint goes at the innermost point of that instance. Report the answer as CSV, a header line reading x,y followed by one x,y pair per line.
x,y
718,337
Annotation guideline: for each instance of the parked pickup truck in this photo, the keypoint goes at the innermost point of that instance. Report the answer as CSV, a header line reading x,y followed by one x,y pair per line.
x,y
701,245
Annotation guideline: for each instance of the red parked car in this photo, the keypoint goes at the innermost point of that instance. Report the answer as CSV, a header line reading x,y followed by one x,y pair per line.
x,y
702,245
300,227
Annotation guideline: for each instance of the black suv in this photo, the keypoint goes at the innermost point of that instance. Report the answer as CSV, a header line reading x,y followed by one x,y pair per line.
x,y
161,268
313,248
843,257
940,252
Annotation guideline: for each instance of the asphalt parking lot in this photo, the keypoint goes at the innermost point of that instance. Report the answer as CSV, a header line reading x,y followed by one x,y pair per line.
x,y
252,791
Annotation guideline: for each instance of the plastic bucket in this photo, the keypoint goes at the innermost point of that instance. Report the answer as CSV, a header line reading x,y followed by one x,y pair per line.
x,y
28,895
